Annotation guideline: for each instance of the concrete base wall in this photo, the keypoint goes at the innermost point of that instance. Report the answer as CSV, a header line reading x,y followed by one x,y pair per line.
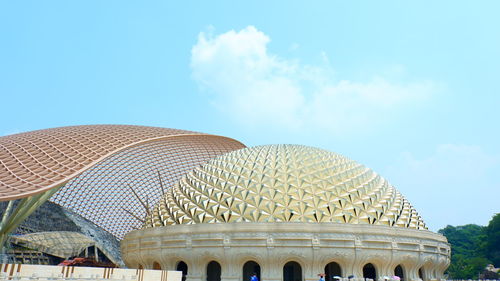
x,y
52,272
421,254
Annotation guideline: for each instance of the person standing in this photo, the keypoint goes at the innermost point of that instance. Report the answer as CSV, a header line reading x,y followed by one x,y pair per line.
x,y
254,277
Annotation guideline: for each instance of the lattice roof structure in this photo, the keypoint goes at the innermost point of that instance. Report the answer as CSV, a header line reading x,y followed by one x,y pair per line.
x,y
97,166
63,244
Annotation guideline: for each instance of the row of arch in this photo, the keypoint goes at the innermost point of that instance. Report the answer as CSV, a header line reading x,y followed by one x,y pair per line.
x,y
292,271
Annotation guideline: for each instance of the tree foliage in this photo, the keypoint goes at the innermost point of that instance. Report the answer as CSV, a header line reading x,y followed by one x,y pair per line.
x,y
493,240
472,248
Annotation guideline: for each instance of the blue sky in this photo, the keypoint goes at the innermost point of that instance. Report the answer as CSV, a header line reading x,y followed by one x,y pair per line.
x,y
408,89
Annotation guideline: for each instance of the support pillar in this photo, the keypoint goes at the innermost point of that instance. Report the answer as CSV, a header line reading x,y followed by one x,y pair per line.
x,y
27,205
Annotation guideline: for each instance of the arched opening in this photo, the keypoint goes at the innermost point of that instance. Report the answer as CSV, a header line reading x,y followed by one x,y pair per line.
x,y
369,271
398,271
331,270
292,271
213,271
182,266
156,266
421,273
249,269
140,266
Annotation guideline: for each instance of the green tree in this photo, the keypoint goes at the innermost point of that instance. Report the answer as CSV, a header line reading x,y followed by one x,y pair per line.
x,y
468,249
469,240
493,240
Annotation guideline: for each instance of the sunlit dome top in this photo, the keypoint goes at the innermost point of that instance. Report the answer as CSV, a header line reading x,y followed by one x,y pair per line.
x,y
284,183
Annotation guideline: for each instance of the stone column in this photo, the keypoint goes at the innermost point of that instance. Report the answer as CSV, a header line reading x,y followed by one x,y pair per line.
x,y
195,277
412,273
384,271
196,271
270,269
229,268
268,272
225,277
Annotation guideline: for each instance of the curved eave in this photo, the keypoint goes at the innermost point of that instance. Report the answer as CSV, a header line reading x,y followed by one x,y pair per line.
x,y
62,182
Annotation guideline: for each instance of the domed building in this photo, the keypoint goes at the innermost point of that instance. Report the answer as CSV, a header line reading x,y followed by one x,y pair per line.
x,y
286,212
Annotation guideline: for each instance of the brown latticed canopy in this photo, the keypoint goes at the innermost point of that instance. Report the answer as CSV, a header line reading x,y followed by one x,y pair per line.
x,y
99,165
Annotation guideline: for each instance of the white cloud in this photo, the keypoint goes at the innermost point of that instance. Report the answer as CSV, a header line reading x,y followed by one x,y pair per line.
x,y
455,185
261,89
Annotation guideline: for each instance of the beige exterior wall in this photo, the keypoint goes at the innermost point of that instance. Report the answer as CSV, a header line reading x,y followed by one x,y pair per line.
x,y
272,245
50,272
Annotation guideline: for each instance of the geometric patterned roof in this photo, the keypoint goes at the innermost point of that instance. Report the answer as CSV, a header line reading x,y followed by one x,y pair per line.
x,y
284,183
63,244
96,165
102,193
36,161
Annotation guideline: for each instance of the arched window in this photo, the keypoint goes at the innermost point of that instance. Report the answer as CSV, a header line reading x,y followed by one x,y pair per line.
x,y
182,266
250,268
156,266
369,271
213,271
292,271
421,273
332,270
398,271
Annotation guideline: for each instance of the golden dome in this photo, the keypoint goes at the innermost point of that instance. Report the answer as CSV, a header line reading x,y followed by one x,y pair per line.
x,y
283,183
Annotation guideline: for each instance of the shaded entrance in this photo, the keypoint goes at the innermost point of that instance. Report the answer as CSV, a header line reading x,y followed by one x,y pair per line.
x,y
421,273
213,271
332,269
369,271
156,266
398,271
182,266
292,271
249,268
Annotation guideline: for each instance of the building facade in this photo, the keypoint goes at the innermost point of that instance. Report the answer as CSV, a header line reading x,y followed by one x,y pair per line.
x,y
286,212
